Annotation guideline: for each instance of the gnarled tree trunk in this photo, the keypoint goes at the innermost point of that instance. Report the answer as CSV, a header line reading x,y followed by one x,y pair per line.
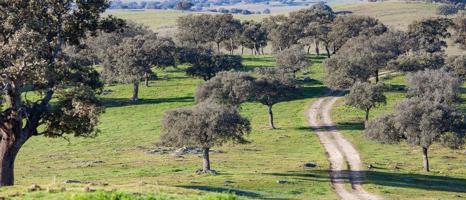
x,y
205,156
8,151
425,159
328,51
376,76
317,48
135,97
146,79
367,116
272,125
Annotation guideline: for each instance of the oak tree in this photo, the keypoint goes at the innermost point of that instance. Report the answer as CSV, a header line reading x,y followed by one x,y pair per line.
x,y
33,57
231,88
434,85
366,96
292,59
349,26
205,125
457,65
274,86
420,123
459,26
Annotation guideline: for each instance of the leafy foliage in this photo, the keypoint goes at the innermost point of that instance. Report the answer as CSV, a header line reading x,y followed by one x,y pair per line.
x,y
418,61
434,85
230,88
429,35
206,64
366,96
33,57
292,59
457,65
204,125
459,26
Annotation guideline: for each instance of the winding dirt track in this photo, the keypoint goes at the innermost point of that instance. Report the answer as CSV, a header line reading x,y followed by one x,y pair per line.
x,y
345,163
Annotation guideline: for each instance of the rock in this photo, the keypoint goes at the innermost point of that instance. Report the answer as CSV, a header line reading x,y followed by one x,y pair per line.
x,y
89,163
72,182
281,182
88,189
201,171
310,165
158,151
34,187
187,150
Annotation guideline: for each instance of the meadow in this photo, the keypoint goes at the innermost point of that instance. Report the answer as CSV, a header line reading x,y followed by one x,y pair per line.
x,y
117,158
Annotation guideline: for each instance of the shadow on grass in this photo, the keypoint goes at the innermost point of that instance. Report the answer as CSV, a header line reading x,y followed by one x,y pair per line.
x,y
351,126
120,102
396,88
222,190
391,179
356,126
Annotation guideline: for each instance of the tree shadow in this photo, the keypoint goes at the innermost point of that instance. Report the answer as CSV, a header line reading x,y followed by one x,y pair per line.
x,y
382,178
351,126
222,190
396,88
355,126
121,102
311,92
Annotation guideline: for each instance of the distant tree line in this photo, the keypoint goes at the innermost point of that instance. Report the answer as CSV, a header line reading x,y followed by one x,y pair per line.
x,y
195,5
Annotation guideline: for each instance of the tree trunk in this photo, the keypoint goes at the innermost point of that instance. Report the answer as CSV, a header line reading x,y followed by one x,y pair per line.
x,y
425,159
309,49
272,125
146,79
135,91
231,46
8,153
367,116
328,51
205,156
218,47
262,50
376,76
242,50
317,48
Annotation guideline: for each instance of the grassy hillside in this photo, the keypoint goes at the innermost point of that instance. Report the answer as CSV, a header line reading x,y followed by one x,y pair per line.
x,y
117,158
398,169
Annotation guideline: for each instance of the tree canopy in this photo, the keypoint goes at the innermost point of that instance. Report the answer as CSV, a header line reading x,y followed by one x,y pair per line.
x,y
434,85
366,96
205,125
274,86
420,123
292,59
33,57
231,88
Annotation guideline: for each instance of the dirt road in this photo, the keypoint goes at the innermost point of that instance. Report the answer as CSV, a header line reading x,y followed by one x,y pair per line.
x,y
344,159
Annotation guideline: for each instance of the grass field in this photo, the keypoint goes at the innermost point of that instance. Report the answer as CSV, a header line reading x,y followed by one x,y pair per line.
x,y
398,172
117,156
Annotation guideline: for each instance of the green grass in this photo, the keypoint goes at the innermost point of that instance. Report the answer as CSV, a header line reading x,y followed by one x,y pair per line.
x,y
127,130
398,173
102,195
